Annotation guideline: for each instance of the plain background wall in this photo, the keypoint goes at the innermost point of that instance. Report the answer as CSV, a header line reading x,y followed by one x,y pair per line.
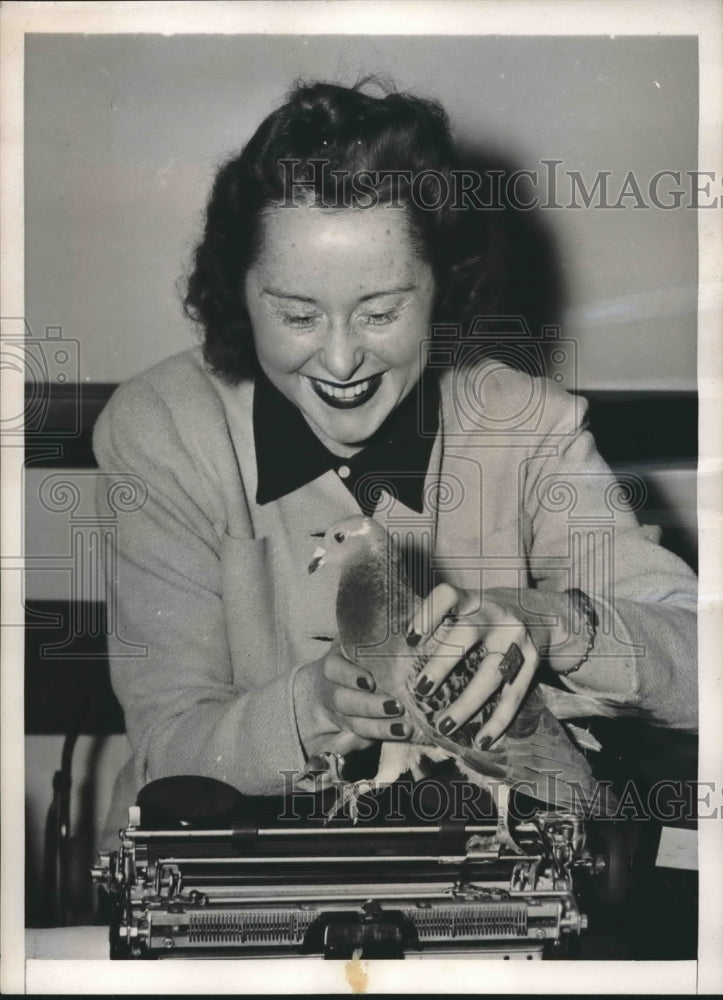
x,y
124,134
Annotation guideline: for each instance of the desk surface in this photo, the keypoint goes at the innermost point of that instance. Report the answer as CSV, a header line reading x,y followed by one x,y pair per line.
x,y
66,942
45,974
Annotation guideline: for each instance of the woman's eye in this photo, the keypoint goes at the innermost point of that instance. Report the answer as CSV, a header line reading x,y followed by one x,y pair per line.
x,y
381,319
298,320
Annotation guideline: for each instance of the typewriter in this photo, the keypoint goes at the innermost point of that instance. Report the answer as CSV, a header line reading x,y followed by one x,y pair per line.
x,y
202,871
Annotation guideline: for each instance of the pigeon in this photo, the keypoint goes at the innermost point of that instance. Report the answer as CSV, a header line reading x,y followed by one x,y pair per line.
x,y
374,606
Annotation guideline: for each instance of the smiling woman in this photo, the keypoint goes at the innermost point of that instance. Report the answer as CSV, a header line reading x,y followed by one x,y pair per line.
x,y
340,305
331,283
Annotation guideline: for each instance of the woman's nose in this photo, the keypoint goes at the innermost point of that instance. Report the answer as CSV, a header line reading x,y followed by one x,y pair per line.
x,y
341,353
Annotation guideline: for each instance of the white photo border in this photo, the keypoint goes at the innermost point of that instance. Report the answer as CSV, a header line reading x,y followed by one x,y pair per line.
x,y
701,18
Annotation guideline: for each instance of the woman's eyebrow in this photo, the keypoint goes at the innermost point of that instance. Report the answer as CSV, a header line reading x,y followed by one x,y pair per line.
x,y
277,294
286,295
388,291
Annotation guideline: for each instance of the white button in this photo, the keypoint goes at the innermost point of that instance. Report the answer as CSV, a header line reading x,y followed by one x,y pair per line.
x,y
344,471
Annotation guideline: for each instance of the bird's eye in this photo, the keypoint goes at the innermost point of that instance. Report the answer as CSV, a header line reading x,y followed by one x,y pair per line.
x,y
339,536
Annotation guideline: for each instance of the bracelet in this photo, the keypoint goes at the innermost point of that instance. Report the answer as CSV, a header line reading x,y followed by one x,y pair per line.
x,y
584,607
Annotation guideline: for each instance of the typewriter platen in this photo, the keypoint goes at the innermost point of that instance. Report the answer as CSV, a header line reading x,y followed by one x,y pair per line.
x,y
271,884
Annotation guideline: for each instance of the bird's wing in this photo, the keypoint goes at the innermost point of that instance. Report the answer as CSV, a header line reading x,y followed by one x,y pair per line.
x,y
536,755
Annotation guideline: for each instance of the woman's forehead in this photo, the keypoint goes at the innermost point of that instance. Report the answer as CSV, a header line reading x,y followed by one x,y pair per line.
x,y
375,242
318,220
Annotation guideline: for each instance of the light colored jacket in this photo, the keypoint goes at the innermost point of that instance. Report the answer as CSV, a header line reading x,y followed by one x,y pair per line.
x,y
213,610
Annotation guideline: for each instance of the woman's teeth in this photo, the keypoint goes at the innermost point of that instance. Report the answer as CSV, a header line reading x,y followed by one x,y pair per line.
x,y
336,392
346,397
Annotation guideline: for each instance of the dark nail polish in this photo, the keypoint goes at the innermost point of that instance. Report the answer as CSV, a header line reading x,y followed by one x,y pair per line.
x,y
424,685
396,729
413,638
446,726
484,742
363,683
392,707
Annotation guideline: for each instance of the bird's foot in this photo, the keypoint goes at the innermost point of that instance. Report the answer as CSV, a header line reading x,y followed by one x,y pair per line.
x,y
504,835
326,767
505,839
348,797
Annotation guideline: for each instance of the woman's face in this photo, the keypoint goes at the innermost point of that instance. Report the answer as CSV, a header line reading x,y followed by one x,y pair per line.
x,y
340,305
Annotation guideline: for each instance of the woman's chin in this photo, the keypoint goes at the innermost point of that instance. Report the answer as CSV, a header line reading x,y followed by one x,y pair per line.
x,y
350,429
338,438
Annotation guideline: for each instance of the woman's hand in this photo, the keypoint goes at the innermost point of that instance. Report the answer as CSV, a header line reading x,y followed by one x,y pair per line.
x,y
509,662
339,709
354,704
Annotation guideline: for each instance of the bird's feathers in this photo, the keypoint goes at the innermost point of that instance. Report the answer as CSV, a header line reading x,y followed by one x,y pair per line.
x,y
374,607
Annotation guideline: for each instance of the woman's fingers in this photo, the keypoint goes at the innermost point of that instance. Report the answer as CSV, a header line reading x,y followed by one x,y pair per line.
x,y
446,653
439,603
500,652
342,671
513,669
377,729
511,697
509,657
366,706
373,715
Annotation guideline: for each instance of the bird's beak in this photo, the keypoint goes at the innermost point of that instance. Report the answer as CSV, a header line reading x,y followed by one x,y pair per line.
x,y
317,560
317,534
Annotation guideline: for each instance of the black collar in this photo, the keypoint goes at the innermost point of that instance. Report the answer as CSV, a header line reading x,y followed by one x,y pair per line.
x,y
289,455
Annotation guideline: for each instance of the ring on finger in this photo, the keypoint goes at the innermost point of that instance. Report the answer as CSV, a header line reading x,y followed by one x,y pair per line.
x,y
511,663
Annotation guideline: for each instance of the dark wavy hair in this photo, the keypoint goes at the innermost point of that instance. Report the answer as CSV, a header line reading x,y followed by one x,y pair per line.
x,y
325,134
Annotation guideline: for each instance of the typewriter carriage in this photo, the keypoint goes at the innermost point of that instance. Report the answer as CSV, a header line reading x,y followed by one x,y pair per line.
x,y
264,887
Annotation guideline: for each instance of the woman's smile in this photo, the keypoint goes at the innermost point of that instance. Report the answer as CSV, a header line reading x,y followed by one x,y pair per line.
x,y
340,303
345,397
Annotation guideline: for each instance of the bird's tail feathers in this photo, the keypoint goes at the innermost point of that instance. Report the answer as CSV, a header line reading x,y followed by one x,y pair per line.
x,y
571,705
555,772
582,738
